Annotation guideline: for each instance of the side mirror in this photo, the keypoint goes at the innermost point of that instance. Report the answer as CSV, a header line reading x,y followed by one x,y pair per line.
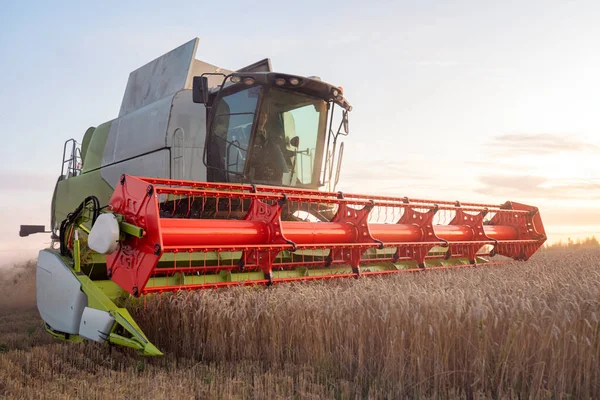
x,y
339,166
200,90
295,141
27,230
345,121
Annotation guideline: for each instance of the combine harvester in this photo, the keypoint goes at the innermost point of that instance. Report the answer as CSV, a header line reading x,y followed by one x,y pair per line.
x,y
210,178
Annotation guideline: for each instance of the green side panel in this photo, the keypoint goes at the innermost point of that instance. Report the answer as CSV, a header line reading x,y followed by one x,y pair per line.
x,y
85,143
53,221
71,192
111,290
179,279
98,299
64,336
95,150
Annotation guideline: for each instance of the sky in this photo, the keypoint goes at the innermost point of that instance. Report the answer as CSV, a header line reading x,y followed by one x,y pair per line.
x,y
463,100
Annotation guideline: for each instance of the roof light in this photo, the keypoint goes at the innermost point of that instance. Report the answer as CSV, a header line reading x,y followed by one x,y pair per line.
x,y
339,98
280,81
249,81
335,92
294,81
235,79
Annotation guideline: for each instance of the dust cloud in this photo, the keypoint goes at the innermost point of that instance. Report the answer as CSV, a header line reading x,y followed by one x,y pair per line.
x,y
17,285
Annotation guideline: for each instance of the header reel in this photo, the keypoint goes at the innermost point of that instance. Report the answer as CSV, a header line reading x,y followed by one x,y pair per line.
x,y
218,235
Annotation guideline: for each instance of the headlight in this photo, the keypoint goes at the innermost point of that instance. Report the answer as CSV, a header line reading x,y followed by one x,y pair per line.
x,y
294,81
280,81
249,81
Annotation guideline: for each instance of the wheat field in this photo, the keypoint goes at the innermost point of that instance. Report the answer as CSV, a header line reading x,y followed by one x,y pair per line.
x,y
521,330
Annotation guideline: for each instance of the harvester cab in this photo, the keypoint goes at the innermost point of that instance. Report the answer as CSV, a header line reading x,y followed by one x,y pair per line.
x,y
210,178
271,128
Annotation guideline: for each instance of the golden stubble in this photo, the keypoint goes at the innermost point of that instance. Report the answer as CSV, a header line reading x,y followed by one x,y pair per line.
x,y
526,330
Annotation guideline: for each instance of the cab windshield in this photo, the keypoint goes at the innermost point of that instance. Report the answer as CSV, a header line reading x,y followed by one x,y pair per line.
x,y
268,135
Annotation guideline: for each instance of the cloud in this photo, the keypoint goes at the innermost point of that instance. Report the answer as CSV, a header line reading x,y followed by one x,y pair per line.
x,y
522,183
571,217
540,143
383,171
539,187
504,171
575,219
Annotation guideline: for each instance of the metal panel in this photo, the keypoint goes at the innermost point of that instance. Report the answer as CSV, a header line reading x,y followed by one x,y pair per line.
x,y
60,300
139,132
96,324
159,78
263,65
155,164
186,137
